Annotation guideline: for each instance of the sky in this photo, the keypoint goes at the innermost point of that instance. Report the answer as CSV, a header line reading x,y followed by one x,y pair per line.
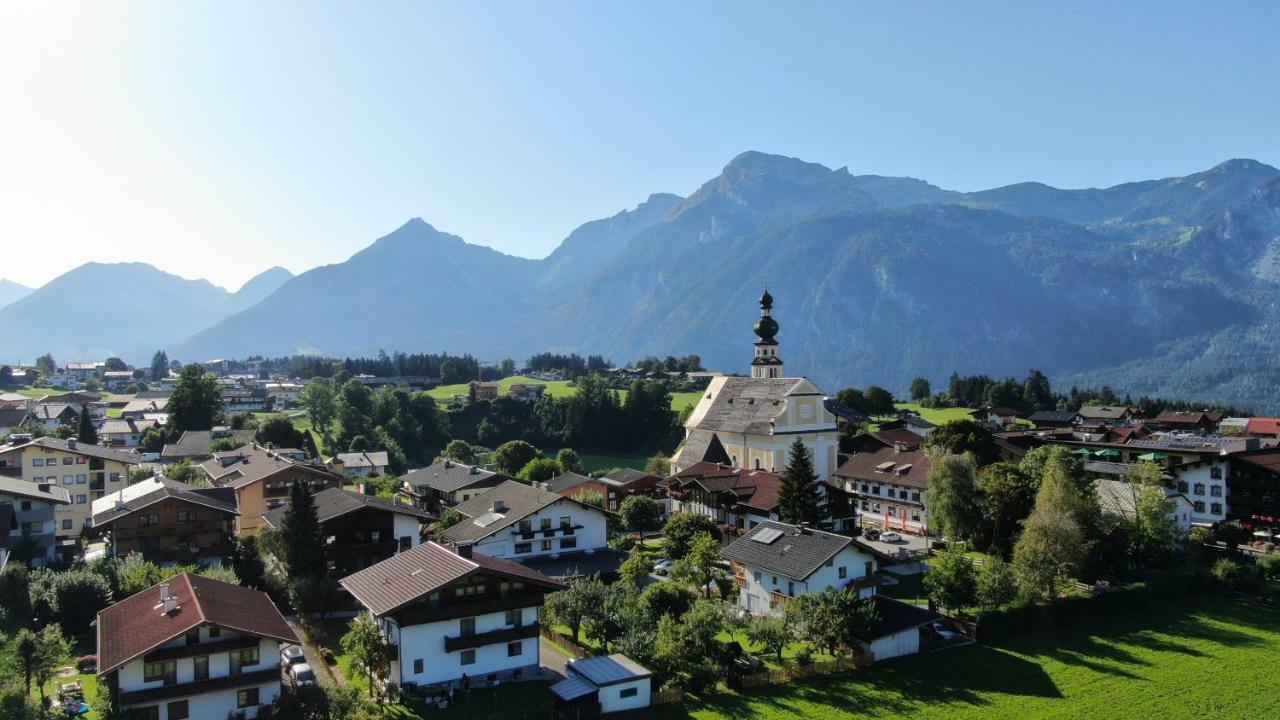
x,y
214,140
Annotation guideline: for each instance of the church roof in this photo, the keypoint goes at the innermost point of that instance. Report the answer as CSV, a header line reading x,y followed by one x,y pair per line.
x,y
743,405
701,445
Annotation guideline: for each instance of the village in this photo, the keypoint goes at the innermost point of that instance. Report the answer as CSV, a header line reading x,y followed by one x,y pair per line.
x,y
176,545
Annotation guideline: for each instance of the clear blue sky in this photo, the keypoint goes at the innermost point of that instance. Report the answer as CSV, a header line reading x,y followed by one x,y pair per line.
x,y
215,140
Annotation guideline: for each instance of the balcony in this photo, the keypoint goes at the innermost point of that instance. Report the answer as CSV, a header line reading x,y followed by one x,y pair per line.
x,y
564,530
777,599
260,677
505,635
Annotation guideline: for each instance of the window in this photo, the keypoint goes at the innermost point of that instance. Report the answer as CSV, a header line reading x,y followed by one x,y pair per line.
x,y
467,627
184,516
1199,489
1199,506
1216,508
215,632
756,575
515,649
67,479
26,504
757,463
513,618
406,543
546,546
1215,473
468,657
146,713
82,499
166,671
247,698
1215,491
915,497
526,526
866,567
843,572
566,521
37,462
522,548
201,665
66,524
242,659
893,511
628,692
178,710
1183,486
417,666
82,479
545,524
79,460
193,636
568,543
68,460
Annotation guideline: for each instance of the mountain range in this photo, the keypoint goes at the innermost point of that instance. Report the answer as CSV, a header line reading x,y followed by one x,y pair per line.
x,y
11,291
1166,286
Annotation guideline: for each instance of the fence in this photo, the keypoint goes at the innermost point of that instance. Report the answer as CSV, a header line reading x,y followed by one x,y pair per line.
x,y
664,697
800,672
565,642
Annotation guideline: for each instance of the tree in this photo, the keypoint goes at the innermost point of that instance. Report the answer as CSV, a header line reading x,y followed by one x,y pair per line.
x,y
511,457
539,470
460,451
278,431
964,436
879,401
798,493
1153,528
160,365
1053,543
771,633
658,465
640,514
590,497
246,562
634,569
572,607
25,657
698,566
834,619
569,460
85,432
450,517
300,535
184,472
997,584
196,403
370,654
665,599
955,505
920,389
318,399
608,622
688,649
77,597
46,366
6,376
951,581
54,648
1008,497
680,530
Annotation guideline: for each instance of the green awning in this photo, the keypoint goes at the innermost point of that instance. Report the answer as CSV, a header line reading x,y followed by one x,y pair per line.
x,y
1108,452
1082,451
1153,456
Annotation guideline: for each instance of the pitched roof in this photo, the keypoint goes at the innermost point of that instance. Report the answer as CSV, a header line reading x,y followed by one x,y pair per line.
x,y
1058,416
567,480
197,443
610,669
79,448
753,488
336,502
1103,412
702,445
12,417
53,411
794,551
141,495
898,436
744,405
253,463
403,578
896,616
362,459
146,405
623,477
1262,426
916,421
520,501
909,468
135,625
23,488
1184,417
447,476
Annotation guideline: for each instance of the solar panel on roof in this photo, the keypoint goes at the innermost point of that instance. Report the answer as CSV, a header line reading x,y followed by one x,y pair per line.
x,y
766,536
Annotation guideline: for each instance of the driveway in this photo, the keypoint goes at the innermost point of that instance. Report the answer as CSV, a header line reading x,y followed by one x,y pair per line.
x,y
903,550
552,660
328,677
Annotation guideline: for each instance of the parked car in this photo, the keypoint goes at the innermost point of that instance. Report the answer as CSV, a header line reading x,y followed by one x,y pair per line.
x,y
662,566
302,674
890,537
292,655
942,631
873,534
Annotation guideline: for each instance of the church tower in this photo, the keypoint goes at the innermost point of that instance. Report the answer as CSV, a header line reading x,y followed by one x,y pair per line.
x,y
766,363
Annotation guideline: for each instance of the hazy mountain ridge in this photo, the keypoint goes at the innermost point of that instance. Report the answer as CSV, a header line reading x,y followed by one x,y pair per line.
x,y
11,291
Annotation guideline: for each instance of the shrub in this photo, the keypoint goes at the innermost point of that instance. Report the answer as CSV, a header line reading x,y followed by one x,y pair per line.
x,y
86,663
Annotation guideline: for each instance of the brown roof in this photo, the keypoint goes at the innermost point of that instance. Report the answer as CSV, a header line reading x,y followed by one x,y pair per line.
x,y
134,626
899,435
1182,417
403,578
906,468
753,488
253,463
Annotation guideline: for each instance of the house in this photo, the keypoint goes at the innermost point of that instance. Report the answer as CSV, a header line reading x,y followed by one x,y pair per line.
x,y
415,383
140,407
1192,422
1106,415
519,521
197,445
85,472
261,478
775,563
13,418
284,394
123,433
359,464
916,424
115,380
65,381
731,496
600,685
888,487
483,390
571,483
29,514
622,483
52,415
998,417
1053,418
526,392
1260,427
447,483
872,441
1118,497
192,647
13,401
360,530
168,522
1254,487
448,614
83,371
241,399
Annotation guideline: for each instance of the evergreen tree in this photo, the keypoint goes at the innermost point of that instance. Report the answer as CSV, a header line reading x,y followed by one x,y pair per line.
x,y
85,431
159,365
300,535
798,495
196,403
920,389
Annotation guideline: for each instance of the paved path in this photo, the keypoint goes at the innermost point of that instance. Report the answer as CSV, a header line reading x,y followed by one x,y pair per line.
x,y
327,676
553,661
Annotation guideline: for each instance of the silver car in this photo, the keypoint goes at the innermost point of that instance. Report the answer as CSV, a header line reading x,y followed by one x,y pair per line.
x,y
302,674
292,655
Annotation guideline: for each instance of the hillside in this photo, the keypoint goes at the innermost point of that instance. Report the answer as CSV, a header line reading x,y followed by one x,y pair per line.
x,y
11,291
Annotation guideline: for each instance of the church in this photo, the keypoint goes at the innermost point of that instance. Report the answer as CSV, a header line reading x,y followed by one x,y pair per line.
x,y
750,422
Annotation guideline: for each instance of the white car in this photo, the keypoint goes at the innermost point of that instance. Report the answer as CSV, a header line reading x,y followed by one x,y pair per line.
x,y
302,674
942,631
662,566
292,655
890,537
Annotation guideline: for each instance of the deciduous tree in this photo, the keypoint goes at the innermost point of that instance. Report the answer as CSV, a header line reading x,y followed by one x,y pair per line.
x,y
953,499
951,581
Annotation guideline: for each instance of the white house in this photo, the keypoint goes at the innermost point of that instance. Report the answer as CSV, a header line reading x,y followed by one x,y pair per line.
x,y
775,563
359,464
614,683
1119,497
518,521
193,648
450,614
1204,483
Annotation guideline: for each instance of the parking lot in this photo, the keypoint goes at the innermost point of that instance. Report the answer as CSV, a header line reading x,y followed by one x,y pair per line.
x,y
907,548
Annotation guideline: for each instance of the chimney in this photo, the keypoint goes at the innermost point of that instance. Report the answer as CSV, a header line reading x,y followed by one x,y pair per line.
x,y
473,470
168,603
498,507
448,463
71,443
463,549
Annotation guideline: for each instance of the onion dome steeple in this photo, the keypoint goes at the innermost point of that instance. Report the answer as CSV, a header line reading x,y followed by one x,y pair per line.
x,y
766,363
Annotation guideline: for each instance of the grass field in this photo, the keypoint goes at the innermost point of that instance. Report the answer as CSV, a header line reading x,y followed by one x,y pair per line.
x,y
555,388
1211,658
937,416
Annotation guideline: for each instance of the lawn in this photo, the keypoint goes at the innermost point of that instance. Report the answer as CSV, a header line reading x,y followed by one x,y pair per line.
x,y
1211,657
937,416
555,388
592,462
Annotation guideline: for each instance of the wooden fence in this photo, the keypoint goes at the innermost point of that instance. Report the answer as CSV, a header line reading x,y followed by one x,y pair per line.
x,y
800,672
664,697
565,642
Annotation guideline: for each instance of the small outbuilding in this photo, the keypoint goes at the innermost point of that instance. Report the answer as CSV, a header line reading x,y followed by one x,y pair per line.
x,y
600,685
